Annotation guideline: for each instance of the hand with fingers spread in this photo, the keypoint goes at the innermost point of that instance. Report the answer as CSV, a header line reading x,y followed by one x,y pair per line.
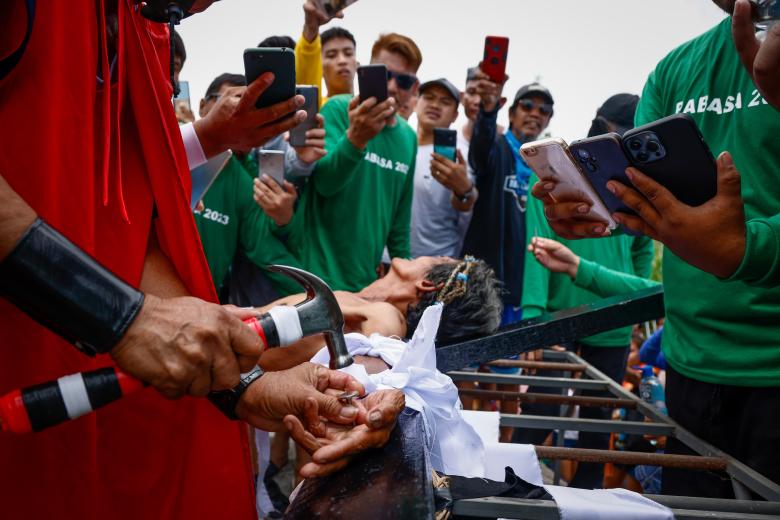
x,y
567,215
332,445
489,91
554,256
235,123
452,175
278,202
368,118
710,237
761,59
315,143
276,395
188,346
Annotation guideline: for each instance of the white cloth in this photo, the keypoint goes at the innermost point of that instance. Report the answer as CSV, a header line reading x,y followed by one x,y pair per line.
x,y
262,500
606,504
455,447
195,155
498,455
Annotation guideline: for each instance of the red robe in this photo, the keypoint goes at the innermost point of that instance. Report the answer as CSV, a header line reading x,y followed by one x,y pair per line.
x,y
94,163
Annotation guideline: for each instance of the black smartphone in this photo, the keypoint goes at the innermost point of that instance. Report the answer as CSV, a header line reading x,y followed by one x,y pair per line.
x,y
602,159
445,142
372,81
673,152
312,105
280,61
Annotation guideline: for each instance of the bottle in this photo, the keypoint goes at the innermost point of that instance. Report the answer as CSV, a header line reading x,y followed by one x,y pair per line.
x,y
651,390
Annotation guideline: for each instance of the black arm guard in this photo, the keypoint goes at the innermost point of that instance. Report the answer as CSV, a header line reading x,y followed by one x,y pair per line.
x,y
68,291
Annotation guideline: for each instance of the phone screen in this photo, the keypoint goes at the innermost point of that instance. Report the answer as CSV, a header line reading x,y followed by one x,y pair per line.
x,y
183,99
445,142
271,163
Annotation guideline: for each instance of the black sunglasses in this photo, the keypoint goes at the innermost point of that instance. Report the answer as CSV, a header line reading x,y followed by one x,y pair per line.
x,y
404,81
528,105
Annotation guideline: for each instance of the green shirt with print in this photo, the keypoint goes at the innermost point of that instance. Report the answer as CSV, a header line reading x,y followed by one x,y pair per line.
x,y
231,220
545,291
356,202
724,331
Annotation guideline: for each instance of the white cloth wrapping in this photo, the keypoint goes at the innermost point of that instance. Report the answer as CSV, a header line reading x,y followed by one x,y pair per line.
x,y
498,455
455,447
606,504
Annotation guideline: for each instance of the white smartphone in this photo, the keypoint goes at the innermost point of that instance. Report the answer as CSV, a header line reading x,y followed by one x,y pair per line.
x,y
550,159
204,176
271,163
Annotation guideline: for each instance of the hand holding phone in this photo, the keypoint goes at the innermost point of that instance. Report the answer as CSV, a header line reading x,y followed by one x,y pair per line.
x,y
551,160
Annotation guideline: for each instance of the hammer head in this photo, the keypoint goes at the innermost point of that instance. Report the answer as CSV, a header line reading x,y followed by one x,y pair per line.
x,y
320,313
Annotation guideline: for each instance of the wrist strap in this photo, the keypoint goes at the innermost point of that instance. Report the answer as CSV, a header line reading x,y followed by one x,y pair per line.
x,y
226,400
66,290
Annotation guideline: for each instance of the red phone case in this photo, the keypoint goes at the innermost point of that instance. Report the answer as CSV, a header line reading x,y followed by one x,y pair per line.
x,y
494,60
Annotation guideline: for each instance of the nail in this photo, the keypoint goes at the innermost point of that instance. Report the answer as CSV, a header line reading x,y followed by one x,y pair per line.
x,y
583,208
726,160
348,412
630,174
549,186
375,418
598,230
299,101
265,177
611,187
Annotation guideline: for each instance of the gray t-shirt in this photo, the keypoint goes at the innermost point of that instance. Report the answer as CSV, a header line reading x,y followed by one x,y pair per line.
x,y
437,228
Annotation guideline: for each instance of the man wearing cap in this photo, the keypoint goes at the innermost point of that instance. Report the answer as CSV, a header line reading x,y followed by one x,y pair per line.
x,y
498,228
444,192
544,291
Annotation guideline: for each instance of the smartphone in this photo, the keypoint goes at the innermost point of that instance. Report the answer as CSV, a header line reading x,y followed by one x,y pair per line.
x,y
271,163
445,142
204,176
673,152
280,61
372,82
766,13
331,7
312,105
602,159
183,99
550,159
494,59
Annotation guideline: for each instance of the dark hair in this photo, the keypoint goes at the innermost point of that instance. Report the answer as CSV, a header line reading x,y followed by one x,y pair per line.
x,y
336,32
227,77
278,42
178,47
474,311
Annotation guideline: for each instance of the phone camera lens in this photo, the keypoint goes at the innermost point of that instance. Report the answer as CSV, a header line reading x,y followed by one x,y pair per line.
x,y
494,60
496,48
653,146
635,144
642,156
591,166
583,153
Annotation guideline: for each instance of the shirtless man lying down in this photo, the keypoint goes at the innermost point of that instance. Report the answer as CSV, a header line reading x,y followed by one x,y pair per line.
x,y
393,305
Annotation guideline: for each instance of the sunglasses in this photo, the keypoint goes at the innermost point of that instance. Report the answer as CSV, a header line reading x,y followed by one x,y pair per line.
x,y
527,105
404,81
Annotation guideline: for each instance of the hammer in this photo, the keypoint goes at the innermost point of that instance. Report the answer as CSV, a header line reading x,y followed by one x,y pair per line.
x,y
41,406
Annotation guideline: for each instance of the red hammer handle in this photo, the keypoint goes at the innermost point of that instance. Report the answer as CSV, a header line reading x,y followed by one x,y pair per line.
x,y
45,405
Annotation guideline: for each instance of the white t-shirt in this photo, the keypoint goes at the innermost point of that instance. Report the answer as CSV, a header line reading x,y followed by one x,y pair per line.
x,y
437,228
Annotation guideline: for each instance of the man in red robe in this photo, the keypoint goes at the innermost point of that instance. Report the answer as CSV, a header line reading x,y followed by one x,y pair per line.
x,y
91,146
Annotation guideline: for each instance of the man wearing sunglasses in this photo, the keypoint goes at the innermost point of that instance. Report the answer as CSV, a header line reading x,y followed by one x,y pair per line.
x,y
359,198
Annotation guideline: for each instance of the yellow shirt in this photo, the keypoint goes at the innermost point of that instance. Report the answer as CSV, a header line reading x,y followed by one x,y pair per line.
x,y
308,64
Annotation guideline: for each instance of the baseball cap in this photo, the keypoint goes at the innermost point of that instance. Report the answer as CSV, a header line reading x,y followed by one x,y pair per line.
x,y
533,89
619,110
445,84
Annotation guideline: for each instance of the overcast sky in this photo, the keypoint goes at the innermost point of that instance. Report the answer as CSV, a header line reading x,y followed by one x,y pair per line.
x,y
582,50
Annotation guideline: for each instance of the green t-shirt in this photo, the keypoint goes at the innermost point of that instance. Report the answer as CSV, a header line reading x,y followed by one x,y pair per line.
x,y
232,220
355,203
545,291
717,331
